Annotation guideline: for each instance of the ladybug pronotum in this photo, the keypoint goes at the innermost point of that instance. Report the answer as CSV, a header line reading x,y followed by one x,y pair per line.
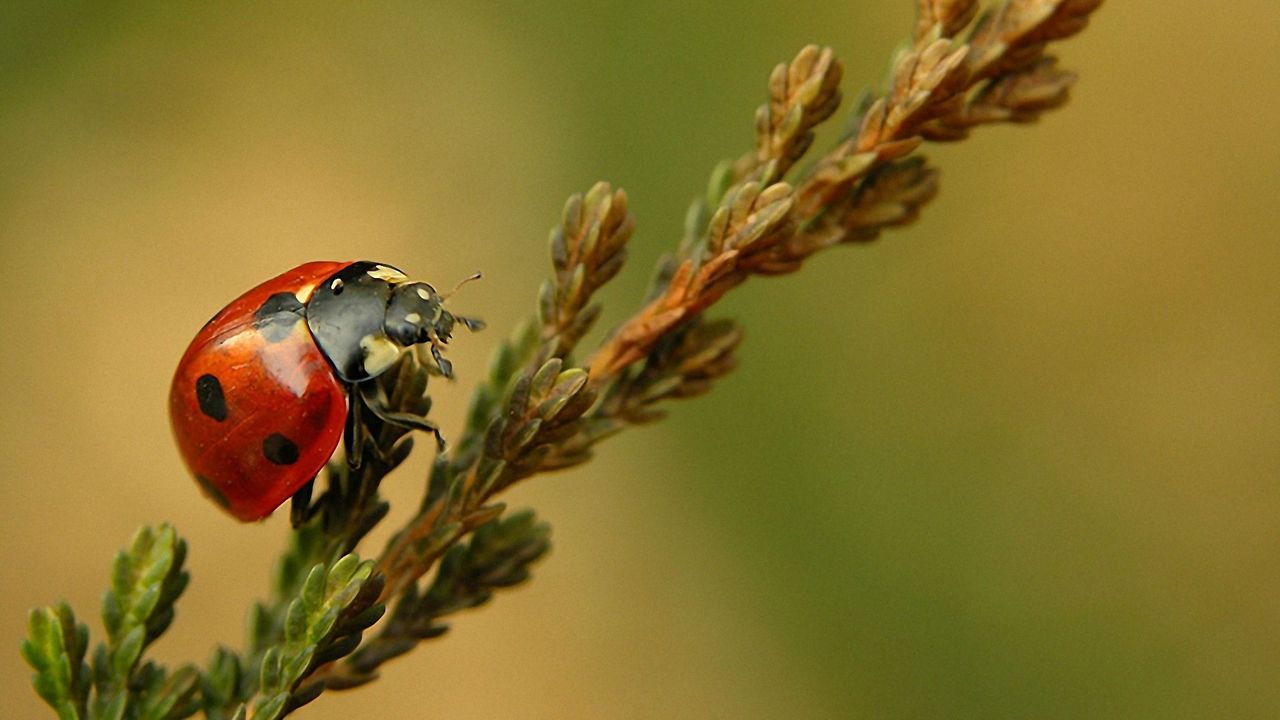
x,y
264,392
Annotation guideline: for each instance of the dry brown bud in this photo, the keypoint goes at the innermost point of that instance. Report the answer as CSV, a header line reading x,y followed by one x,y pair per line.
x,y
949,16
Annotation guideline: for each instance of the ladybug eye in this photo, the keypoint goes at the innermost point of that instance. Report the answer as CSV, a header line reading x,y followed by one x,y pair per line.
x,y
336,286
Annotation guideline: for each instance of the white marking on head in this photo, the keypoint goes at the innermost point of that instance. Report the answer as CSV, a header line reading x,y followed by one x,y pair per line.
x,y
422,293
388,274
379,353
336,284
414,318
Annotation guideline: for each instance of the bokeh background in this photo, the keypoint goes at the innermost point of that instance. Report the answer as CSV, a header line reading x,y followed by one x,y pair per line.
x,y
1018,460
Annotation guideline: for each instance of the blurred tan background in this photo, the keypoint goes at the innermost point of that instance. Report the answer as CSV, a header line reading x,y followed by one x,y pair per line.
x,y
1019,460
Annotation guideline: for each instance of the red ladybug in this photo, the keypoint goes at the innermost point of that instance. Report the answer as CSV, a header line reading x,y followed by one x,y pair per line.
x,y
262,395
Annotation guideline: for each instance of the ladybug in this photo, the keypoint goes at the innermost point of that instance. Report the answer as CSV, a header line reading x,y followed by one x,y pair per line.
x,y
269,385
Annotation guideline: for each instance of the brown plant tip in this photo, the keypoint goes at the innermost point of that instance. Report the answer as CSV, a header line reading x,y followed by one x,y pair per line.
x,y
941,87
835,175
928,81
802,94
1014,34
947,16
1019,97
891,197
588,249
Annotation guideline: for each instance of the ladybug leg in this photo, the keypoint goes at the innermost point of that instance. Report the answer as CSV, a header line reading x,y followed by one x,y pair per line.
x,y
300,509
376,401
446,367
428,355
353,438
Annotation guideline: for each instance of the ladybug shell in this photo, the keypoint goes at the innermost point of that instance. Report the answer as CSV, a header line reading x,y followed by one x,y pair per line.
x,y
255,406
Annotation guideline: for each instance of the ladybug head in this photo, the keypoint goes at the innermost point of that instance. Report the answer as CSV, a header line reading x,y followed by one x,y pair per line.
x,y
417,315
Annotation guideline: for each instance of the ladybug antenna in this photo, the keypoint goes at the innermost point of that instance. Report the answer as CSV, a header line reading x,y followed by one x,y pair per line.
x,y
472,324
470,278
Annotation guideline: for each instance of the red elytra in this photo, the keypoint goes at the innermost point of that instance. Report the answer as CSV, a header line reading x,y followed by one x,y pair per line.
x,y
256,413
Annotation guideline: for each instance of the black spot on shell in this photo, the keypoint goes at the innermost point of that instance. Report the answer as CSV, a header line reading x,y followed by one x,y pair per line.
x,y
281,302
277,316
213,492
280,449
209,394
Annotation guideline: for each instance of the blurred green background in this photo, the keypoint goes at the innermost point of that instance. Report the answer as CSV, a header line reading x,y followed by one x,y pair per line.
x,y
1019,460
